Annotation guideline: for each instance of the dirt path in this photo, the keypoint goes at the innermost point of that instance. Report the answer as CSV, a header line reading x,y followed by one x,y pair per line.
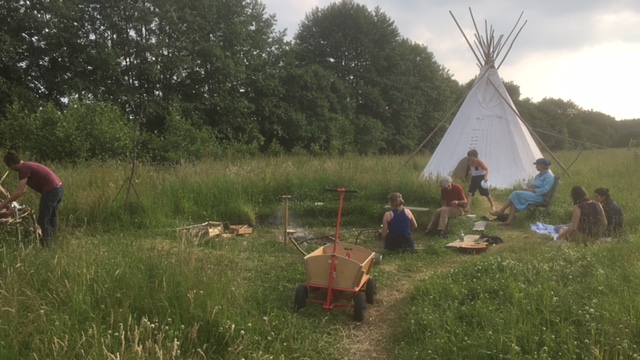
x,y
370,339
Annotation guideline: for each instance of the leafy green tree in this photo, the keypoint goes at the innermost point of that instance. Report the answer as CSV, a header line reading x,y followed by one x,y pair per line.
x,y
556,116
391,81
628,130
18,81
20,128
92,131
419,93
85,131
313,102
143,56
513,90
596,128
179,141
529,111
370,135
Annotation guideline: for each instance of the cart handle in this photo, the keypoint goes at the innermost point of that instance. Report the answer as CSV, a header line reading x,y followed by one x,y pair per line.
x,y
342,190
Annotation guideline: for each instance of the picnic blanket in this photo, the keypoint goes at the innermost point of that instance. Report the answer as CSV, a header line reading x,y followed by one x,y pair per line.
x,y
545,229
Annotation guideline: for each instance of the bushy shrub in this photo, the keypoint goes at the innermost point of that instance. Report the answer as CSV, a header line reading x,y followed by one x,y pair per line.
x,y
103,131
20,129
342,139
370,136
91,131
180,141
85,131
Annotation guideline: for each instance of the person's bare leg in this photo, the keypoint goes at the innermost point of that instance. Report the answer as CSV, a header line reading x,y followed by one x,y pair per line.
x,y
469,202
502,209
491,202
512,215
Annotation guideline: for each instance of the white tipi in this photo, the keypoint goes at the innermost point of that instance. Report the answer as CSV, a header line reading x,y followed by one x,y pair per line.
x,y
488,122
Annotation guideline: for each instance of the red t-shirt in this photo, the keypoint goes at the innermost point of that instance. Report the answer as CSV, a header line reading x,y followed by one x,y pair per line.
x,y
39,177
454,194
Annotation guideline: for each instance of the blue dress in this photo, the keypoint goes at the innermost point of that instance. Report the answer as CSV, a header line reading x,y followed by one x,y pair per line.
x,y
399,236
542,183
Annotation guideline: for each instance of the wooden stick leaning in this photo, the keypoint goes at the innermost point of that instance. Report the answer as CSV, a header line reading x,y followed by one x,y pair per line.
x,y
412,208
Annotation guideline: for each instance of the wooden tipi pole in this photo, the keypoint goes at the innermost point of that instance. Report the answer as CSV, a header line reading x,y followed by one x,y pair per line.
x,y
445,118
531,130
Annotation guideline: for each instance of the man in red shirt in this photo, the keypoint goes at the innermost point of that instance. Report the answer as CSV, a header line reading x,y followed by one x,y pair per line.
x,y
453,204
41,179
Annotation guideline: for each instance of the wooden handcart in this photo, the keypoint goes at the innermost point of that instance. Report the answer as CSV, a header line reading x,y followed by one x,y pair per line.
x,y
338,275
21,219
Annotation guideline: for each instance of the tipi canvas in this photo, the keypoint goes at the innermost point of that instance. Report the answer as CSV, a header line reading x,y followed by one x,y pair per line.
x,y
488,122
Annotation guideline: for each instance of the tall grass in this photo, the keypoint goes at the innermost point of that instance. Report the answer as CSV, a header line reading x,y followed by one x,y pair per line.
x,y
251,190
535,301
134,297
247,191
548,303
122,284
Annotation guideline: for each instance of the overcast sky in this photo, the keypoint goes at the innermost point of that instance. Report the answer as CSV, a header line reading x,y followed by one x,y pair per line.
x,y
586,51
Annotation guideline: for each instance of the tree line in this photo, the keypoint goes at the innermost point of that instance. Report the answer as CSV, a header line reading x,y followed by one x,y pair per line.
x,y
189,79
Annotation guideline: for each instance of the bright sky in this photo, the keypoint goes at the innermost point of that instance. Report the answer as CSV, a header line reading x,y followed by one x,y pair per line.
x,y
586,51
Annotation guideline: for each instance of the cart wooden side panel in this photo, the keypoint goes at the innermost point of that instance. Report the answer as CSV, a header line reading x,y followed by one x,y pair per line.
x,y
353,264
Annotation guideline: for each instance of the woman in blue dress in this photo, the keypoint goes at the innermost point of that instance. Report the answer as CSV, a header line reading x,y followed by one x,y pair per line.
x,y
397,225
521,199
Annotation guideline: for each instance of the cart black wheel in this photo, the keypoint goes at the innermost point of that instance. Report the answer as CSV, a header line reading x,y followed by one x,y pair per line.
x,y
377,259
300,300
370,291
359,306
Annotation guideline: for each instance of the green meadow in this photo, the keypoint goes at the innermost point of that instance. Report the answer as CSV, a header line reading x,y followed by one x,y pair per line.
x,y
121,282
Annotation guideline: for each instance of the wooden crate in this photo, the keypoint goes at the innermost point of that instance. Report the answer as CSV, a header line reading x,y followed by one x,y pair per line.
x,y
201,231
241,229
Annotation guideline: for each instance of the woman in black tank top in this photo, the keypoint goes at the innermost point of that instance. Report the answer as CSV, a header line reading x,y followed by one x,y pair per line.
x,y
588,220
